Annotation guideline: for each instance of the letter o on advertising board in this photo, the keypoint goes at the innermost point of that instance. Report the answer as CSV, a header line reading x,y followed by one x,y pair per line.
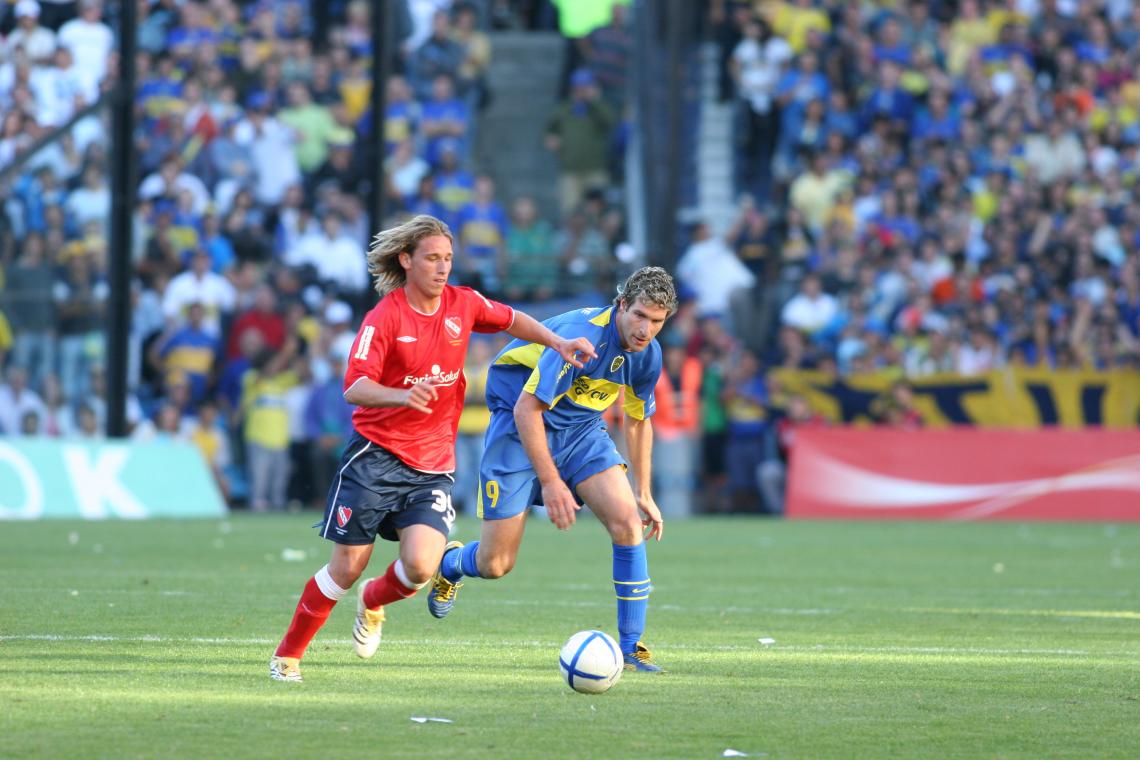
x,y
33,505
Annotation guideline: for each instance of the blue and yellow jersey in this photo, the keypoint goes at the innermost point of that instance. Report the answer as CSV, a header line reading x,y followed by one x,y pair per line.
x,y
576,396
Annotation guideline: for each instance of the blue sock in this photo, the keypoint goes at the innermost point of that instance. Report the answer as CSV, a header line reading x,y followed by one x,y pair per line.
x,y
631,584
460,562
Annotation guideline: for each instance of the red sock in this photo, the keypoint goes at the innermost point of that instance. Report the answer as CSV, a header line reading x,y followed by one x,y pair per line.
x,y
386,589
312,612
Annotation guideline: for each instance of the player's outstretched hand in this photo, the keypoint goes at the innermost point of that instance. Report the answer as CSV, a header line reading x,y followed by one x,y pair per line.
x,y
577,351
560,504
420,395
652,521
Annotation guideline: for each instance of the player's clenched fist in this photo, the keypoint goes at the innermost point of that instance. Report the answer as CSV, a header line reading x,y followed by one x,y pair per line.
x,y
420,395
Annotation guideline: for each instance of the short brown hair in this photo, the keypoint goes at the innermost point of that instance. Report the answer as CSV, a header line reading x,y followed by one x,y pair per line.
x,y
653,285
384,255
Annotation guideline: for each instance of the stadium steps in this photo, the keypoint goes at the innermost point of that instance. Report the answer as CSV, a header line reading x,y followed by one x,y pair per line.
x,y
715,201
523,77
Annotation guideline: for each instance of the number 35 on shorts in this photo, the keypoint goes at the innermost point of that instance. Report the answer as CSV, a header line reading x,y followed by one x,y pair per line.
x,y
443,504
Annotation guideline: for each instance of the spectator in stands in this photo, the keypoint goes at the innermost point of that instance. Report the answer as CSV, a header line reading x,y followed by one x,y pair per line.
x,y
811,309
797,21
481,231
709,253
199,285
37,42
532,259
676,428
337,259
30,307
586,254
313,124
90,42
606,53
454,185
579,131
208,435
189,352
404,170
328,417
271,148
757,65
17,401
171,180
80,296
445,118
745,397
90,202
816,192
57,418
476,47
266,426
439,55
895,408
772,474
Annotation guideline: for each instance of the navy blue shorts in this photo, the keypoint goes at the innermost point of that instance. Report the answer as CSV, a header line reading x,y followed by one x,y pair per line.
x,y
374,493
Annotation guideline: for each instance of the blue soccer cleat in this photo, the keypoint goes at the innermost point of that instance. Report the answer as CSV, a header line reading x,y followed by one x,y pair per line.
x,y
641,659
443,591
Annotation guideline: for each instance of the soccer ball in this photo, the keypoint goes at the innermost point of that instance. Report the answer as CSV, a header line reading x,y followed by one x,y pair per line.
x,y
590,662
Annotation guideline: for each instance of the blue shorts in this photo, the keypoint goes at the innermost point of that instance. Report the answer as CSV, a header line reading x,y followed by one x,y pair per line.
x,y
376,493
507,483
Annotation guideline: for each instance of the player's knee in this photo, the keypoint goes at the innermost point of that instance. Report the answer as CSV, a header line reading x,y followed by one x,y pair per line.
x,y
345,575
625,529
495,567
419,571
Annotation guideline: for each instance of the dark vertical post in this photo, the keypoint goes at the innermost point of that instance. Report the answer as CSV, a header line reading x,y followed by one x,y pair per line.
x,y
122,209
645,47
676,17
382,37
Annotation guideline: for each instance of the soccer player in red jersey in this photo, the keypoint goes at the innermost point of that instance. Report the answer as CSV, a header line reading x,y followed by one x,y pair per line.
x,y
405,376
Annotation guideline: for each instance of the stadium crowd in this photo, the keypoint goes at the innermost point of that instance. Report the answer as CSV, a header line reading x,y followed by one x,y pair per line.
x,y
926,186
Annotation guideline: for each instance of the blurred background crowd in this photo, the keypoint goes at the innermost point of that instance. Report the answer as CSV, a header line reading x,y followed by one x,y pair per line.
x,y
920,187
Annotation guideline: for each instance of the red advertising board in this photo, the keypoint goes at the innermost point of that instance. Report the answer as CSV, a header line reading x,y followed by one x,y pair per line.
x,y
965,474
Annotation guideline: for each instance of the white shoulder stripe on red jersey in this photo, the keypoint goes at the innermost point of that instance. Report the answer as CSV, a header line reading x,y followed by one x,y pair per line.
x,y
365,342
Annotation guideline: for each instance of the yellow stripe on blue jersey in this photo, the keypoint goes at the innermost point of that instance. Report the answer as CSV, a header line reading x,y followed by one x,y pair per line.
x,y
577,395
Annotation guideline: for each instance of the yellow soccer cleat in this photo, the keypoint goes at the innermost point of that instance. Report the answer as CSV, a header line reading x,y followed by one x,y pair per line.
x,y
641,659
443,591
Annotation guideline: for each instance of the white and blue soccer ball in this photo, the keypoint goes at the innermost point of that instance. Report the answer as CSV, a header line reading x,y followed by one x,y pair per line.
x,y
591,662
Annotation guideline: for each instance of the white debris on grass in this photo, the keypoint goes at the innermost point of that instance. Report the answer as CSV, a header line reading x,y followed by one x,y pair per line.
x,y
418,719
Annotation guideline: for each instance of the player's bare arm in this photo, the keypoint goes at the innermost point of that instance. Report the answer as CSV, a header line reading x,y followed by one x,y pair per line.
x,y
639,438
574,350
365,392
560,503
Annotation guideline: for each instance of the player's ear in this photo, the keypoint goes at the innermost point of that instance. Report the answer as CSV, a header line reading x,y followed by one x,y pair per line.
x,y
405,259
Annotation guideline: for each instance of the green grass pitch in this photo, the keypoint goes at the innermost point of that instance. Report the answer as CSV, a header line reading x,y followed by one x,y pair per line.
x,y
151,639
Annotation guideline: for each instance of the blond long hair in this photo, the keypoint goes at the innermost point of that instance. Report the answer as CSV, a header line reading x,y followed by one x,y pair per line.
x,y
387,245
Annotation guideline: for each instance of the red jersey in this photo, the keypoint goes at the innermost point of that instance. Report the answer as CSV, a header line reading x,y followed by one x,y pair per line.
x,y
398,347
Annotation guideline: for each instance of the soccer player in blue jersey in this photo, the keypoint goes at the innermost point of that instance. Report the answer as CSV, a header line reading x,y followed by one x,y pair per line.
x,y
547,444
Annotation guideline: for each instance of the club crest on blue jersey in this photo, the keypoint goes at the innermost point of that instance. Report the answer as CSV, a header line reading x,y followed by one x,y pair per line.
x,y
615,365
